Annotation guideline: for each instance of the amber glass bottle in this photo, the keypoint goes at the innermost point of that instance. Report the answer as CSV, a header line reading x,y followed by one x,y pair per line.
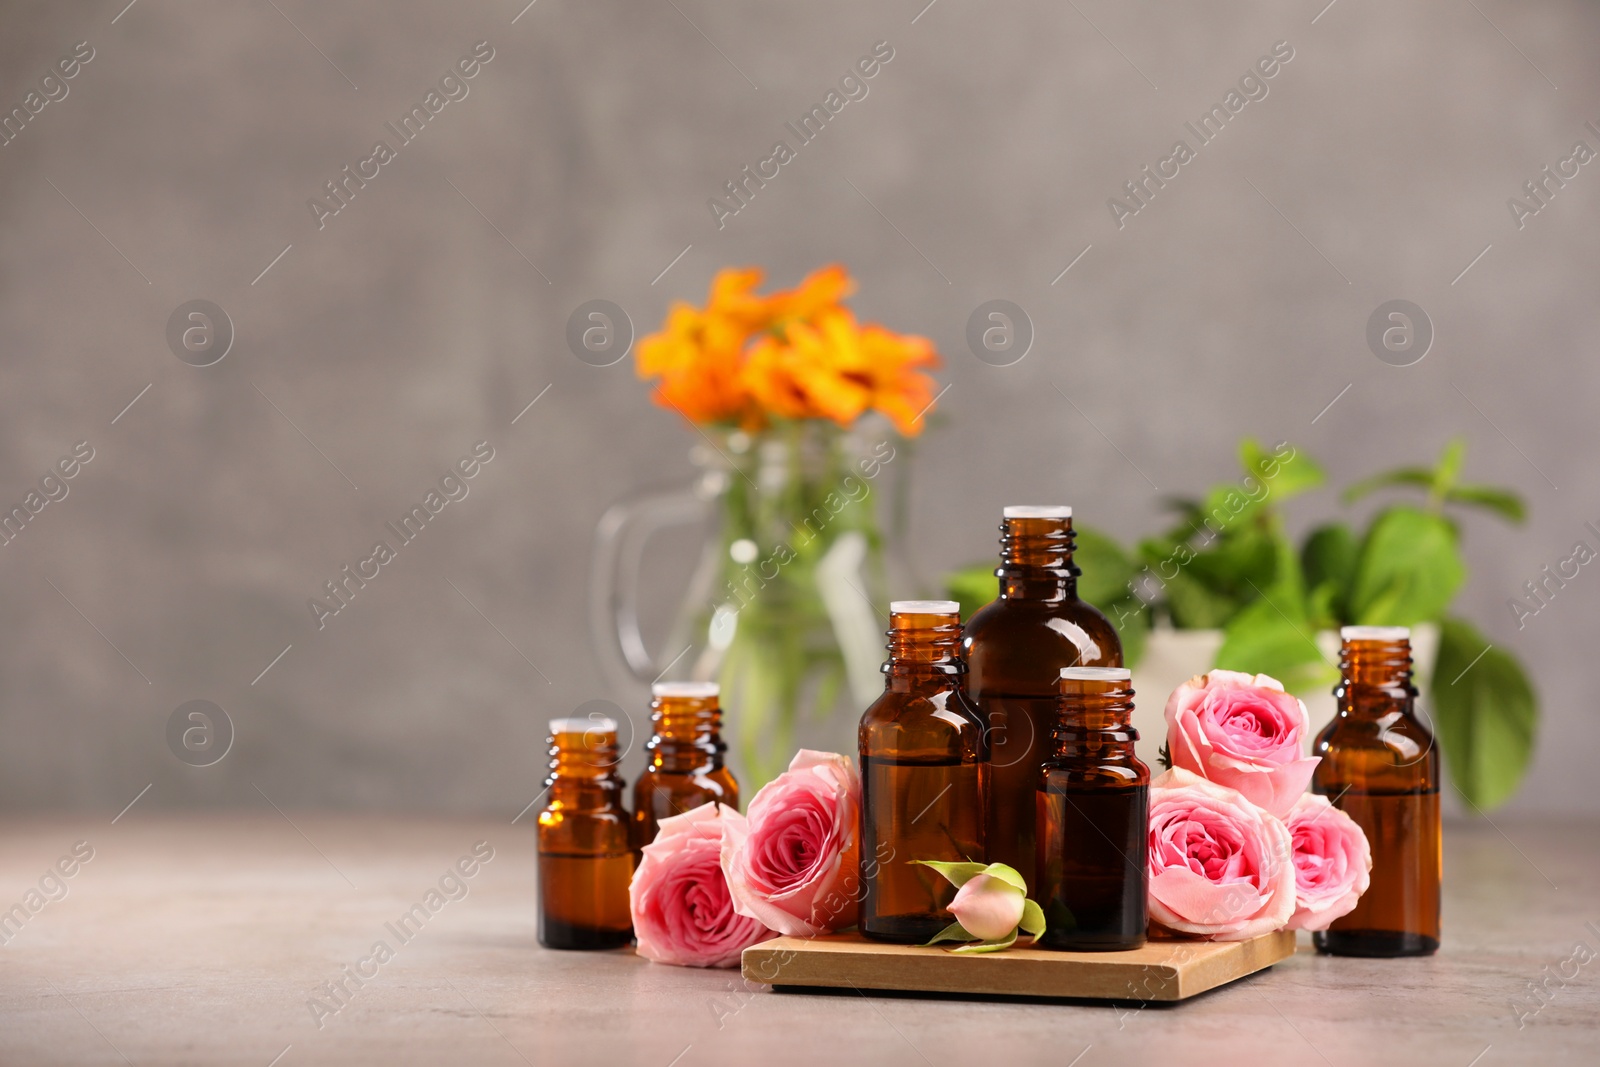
x,y
1015,648
585,863
1093,818
1380,767
925,776
686,757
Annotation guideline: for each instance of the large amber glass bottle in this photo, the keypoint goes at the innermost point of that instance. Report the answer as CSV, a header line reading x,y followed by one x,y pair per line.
x,y
686,755
925,776
1380,766
1015,649
585,862
1093,819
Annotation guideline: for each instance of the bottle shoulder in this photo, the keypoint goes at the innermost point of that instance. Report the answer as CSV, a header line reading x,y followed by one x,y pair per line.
x,y
1388,753
951,707
1121,773
1017,646
936,726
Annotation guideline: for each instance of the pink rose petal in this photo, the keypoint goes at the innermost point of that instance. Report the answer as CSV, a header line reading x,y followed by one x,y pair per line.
x,y
793,865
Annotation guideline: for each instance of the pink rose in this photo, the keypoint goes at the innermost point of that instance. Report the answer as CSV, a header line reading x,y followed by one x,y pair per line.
x,y
682,912
1243,732
1219,865
1332,863
987,907
792,862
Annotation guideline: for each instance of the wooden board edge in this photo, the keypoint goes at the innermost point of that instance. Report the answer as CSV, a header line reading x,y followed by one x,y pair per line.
x,y
800,963
1244,959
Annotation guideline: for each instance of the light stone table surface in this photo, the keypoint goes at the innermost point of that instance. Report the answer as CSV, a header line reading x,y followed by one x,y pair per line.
x,y
204,940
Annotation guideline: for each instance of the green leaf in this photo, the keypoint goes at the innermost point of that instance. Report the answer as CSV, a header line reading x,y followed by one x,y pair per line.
x,y
1330,555
1329,561
1447,472
1486,715
1131,618
972,587
1194,606
1187,508
1273,634
1285,470
1032,922
1418,476
989,946
1270,638
1503,502
1240,556
1107,567
953,932
1408,571
957,874
1007,874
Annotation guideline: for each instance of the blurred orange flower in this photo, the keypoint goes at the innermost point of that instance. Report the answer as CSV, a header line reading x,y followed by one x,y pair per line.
x,y
746,359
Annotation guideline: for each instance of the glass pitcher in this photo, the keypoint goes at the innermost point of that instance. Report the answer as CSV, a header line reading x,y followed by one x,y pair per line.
x,y
786,605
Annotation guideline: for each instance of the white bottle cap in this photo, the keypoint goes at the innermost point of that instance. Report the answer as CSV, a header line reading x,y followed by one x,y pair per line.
x,y
582,726
924,607
1374,633
686,690
1097,674
1037,511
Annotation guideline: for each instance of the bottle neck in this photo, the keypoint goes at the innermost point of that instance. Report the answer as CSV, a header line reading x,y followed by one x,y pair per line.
x,y
583,769
1374,676
1094,720
924,653
687,734
1036,560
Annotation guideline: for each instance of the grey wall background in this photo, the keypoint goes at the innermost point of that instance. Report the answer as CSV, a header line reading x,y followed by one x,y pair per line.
x,y
387,343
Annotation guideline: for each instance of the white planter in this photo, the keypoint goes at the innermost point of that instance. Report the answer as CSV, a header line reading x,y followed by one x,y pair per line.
x,y
1172,657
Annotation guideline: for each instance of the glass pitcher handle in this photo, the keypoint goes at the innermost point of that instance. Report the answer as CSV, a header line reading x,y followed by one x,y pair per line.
x,y
614,577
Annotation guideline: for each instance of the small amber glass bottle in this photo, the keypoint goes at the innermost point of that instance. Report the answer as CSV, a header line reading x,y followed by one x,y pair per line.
x,y
1380,767
686,757
925,776
1015,648
1093,817
585,863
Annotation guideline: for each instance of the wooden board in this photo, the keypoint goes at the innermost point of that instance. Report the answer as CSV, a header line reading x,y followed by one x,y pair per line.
x,y
1159,971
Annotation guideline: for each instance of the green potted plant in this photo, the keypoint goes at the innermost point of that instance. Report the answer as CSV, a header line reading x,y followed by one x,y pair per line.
x,y
1225,586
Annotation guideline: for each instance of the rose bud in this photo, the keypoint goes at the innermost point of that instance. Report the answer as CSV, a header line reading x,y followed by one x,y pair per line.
x,y
987,907
1332,863
1242,731
990,906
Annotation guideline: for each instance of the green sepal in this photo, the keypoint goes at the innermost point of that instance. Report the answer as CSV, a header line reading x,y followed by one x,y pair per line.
x,y
1008,875
957,874
989,946
1032,922
953,932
